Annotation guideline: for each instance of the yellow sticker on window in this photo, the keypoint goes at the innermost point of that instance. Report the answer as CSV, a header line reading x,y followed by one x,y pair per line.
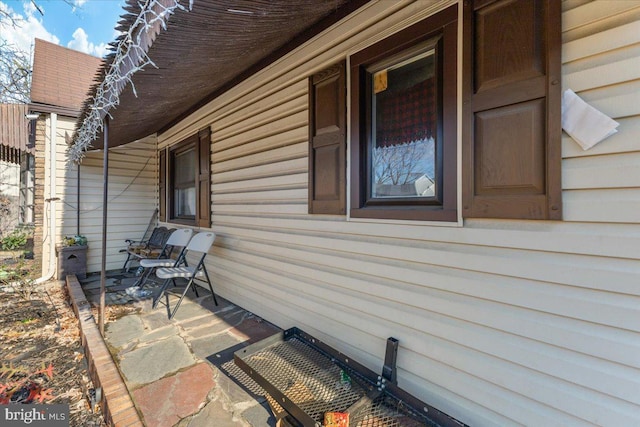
x,y
380,81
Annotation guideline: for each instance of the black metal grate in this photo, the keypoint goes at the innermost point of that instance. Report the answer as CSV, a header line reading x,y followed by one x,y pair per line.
x,y
387,411
307,379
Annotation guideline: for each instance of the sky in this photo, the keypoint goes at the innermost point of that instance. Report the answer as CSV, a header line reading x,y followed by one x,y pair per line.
x,y
84,25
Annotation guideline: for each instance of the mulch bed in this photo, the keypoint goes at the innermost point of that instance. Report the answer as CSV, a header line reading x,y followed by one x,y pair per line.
x,y
41,357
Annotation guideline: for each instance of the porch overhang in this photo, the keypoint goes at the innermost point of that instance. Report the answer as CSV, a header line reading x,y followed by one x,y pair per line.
x,y
203,52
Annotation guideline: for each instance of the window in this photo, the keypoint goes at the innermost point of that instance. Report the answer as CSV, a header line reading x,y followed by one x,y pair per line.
x,y
403,116
187,198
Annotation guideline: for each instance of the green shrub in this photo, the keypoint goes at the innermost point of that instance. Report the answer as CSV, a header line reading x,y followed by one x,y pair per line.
x,y
15,240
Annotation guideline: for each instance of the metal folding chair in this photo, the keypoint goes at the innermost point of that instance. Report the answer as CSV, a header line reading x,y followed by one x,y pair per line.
x,y
200,243
179,239
154,247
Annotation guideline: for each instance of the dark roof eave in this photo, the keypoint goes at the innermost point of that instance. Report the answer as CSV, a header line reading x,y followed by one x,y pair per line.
x,y
46,108
298,40
160,106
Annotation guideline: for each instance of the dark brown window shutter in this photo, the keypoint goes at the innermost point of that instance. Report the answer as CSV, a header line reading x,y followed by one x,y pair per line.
x,y
511,130
204,179
162,186
327,141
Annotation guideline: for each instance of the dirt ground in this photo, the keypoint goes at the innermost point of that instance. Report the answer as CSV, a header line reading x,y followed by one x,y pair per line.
x,y
41,357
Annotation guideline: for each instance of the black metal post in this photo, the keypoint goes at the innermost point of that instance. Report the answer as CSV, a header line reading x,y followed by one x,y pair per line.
x,y
78,202
389,370
105,180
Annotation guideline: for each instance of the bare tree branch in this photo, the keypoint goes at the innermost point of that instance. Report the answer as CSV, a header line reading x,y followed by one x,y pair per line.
x,y
15,74
15,67
15,64
33,2
398,164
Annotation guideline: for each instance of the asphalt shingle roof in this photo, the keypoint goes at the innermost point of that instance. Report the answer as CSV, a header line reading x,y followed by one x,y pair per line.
x,y
61,76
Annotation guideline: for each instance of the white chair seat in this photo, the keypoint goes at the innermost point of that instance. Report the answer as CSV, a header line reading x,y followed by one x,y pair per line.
x,y
172,273
157,263
178,239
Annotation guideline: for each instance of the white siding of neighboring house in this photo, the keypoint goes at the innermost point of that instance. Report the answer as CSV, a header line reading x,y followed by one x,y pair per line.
x,y
132,172
10,187
9,179
500,322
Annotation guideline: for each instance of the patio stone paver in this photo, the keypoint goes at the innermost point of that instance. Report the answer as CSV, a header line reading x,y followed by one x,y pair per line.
x,y
223,304
202,332
189,310
93,283
165,402
233,317
162,360
154,361
218,318
156,319
253,329
205,347
158,334
259,415
221,413
227,321
124,330
238,386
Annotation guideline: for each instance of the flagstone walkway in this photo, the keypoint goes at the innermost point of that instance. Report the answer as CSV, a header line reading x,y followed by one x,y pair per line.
x,y
180,372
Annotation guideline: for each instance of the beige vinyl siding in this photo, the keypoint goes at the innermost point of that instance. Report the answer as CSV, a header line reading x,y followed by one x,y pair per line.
x,y
601,60
64,184
499,322
132,198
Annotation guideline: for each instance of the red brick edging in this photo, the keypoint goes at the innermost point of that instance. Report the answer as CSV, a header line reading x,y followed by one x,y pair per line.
x,y
117,407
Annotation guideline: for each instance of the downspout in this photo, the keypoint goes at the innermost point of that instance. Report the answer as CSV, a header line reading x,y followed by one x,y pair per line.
x,y
53,123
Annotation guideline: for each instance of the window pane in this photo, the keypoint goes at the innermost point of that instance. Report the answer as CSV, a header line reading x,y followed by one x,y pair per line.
x,y
185,201
184,187
404,127
185,165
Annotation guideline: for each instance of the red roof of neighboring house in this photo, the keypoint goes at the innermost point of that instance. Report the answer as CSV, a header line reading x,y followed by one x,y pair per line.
x,y
61,76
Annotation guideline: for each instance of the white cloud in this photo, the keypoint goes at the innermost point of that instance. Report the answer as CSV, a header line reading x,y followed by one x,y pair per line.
x,y
77,4
29,25
27,28
81,42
